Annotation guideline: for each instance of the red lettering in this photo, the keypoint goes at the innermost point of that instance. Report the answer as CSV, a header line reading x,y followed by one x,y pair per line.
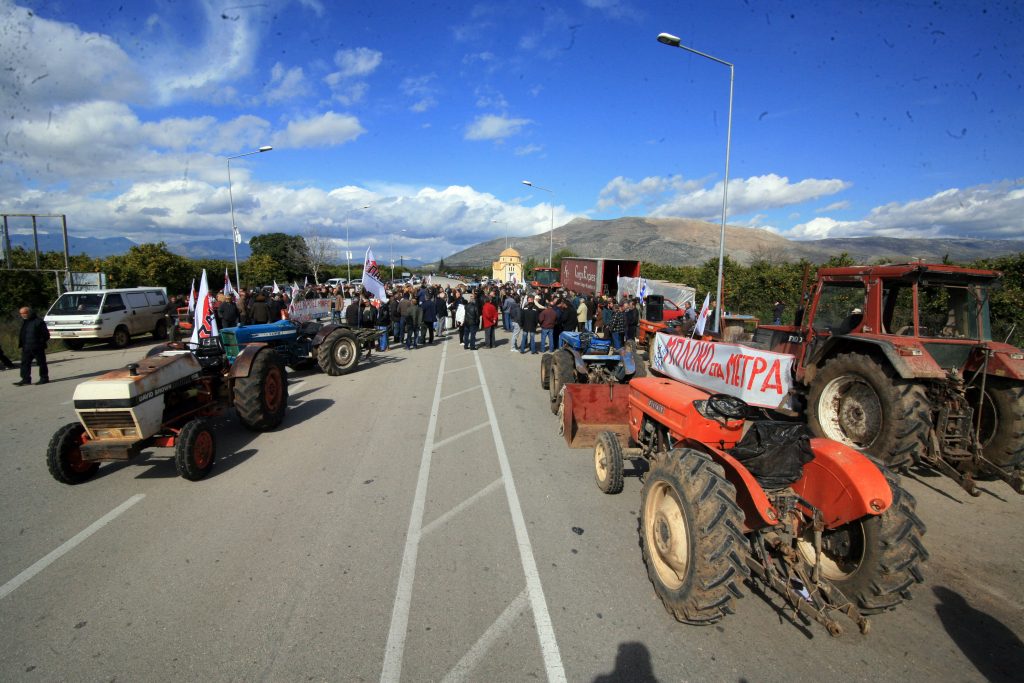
x,y
774,378
760,364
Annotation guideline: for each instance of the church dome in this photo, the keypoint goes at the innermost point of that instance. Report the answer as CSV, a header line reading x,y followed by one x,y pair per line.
x,y
509,252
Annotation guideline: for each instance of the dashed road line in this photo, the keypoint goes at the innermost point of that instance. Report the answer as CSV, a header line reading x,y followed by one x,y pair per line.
x,y
466,432
462,670
461,506
459,393
67,546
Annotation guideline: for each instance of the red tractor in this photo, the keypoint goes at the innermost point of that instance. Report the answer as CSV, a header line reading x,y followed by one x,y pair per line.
x,y
898,361
726,497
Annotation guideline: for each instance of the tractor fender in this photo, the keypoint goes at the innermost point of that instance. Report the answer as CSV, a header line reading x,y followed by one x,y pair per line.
x,y
629,362
843,483
922,366
326,330
244,360
577,360
758,510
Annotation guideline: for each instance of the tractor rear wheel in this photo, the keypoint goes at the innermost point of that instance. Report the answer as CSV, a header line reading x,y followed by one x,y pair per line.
x,y
562,373
690,537
874,560
1002,421
545,371
859,403
339,353
195,450
262,398
64,456
608,463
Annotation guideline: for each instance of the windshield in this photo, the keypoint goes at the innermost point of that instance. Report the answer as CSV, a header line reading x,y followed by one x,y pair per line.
x,y
545,277
953,312
74,303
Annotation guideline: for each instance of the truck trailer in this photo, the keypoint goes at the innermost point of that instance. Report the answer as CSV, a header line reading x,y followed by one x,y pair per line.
x,y
597,275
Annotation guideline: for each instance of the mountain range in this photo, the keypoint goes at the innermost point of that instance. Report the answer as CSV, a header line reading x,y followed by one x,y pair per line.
x,y
687,242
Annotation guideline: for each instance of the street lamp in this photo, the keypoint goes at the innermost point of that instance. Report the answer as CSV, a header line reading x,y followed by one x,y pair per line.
x,y
673,41
506,230
348,251
235,237
551,243
392,253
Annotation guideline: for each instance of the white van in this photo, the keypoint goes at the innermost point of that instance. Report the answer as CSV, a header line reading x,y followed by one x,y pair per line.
x,y
336,282
114,315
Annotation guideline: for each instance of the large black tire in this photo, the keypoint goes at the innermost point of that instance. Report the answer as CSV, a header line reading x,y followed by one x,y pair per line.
x,y
563,372
160,331
261,399
74,344
857,402
545,371
338,354
876,559
608,463
1002,421
121,337
64,456
195,450
690,537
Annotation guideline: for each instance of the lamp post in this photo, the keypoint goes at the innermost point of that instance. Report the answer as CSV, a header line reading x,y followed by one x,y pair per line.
x,y
673,41
235,237
551,241
392,250
348,250
506,230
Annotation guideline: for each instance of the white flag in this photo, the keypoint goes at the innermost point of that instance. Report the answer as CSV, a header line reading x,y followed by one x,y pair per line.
x,y
641,288
371,277
192,297
277,290
204,324
228,289
703,317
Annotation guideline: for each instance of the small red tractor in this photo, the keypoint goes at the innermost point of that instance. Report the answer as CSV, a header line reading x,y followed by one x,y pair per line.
x,y
166,399
815,520
898,361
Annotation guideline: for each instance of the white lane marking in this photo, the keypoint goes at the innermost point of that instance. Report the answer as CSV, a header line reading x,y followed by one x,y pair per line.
x,y
394,650
447,440
460,507
469,661
457,393
468,367
67,546
541,617
296,385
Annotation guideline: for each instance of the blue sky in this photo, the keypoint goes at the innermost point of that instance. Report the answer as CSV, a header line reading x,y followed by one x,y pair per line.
x,y
850,118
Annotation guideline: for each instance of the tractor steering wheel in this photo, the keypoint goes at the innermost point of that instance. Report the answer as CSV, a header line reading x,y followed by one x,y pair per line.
x,y
729,407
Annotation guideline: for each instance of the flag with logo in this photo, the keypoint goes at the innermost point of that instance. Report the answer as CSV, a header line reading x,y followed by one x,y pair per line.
x,y
192,297
703,317
228,289
372,281
204,324
641,288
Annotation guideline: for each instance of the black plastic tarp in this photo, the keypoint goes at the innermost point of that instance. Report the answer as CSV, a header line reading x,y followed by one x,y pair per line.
x,y
775,452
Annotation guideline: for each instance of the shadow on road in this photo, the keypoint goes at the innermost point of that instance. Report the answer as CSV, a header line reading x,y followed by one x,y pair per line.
x,y
632,665
994,650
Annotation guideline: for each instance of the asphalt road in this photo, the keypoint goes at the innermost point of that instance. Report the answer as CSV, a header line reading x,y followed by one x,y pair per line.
x,y
421,520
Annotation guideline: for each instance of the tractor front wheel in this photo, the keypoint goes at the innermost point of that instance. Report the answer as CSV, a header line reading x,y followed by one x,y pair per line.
x,y
859,403
608,463
873,560
338,354
195,450
545,371
690,537
262,398
64,456
562,373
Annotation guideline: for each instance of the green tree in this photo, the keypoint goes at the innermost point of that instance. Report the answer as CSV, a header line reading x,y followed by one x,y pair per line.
x,y
556,260
149,265
288,251
262,269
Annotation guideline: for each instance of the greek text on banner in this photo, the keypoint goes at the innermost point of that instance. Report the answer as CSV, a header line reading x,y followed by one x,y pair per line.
x,y
761,378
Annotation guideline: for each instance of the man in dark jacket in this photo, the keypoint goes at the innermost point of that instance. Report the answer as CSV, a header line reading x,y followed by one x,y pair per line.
x,y
471,323
528,319
548,318
32,340
429,307
228,312
259,311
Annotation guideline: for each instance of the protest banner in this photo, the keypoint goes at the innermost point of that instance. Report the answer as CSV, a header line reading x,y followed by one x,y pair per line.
x,y
304,310
761,378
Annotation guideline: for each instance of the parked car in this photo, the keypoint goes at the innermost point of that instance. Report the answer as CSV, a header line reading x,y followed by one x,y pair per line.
x,y
114,315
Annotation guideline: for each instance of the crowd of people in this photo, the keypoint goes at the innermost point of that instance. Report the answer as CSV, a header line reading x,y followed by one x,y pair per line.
x,y
418,315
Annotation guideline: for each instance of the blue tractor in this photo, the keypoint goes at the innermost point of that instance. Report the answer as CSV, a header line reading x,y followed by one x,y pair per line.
x,y
583,358
335,348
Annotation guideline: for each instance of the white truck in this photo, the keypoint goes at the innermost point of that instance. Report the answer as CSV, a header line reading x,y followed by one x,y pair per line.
x,y
114,315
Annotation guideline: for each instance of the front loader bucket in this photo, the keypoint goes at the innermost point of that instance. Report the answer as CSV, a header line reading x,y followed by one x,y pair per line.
x,y
589,409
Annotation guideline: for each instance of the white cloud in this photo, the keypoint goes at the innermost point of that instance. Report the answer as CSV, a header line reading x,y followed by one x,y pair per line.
x,y
286,84
617,9
527,150
835,206
420,88
494,127
675,196
326,130
355,63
